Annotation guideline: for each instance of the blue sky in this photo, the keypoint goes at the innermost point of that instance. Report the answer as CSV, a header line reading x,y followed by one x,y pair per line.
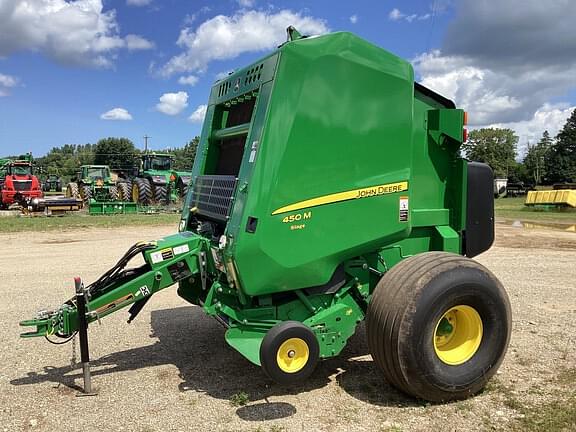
x,y
72,72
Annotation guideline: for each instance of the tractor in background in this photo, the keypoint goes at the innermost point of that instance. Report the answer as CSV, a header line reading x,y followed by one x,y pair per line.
x,y
17,180
52,183
155,181
92,182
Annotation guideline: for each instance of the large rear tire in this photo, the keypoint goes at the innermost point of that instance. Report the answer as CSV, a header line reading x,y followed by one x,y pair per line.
x,y
72,190
86,194
141,191
124,191
438,326
113,193
182,190
161,195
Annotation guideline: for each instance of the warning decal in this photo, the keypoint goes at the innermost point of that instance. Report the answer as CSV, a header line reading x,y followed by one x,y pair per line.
x,y
404,209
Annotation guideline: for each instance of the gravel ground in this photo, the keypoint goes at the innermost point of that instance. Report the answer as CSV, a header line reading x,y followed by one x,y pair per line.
x,y
171,370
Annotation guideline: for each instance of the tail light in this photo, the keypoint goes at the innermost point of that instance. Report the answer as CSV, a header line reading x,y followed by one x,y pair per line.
x,y
465,131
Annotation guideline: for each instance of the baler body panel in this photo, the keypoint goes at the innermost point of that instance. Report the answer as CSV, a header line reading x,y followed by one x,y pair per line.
x,y
334,141
323,138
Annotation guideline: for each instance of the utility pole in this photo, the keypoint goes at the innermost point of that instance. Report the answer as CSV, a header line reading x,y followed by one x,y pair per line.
x,y
146,143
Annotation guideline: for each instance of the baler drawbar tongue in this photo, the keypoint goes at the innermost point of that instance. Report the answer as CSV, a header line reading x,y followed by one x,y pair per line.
x,y
43,327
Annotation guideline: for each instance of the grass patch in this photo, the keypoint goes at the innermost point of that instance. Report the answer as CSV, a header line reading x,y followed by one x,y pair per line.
x,y
567,377
239,399
80,221
551,417
514,208
554,416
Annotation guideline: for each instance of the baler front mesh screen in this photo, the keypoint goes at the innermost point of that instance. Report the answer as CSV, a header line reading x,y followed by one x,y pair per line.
x,y
213,195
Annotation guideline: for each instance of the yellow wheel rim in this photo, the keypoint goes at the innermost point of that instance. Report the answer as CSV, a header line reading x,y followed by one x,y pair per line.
x,y
135,193
292,355
457,335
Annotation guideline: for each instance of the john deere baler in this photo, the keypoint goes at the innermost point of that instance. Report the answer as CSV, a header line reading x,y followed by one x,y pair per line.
x,y
328,188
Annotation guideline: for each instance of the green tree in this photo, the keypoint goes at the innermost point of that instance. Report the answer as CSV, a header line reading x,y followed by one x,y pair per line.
x,y
65,160
535,158
184,157
496,147
560,162
517,173
118,153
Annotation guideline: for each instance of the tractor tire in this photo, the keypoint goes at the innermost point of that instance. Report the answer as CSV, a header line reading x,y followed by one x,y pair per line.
x,y
438,326
72,190
182,190
289,352
113,193
161,195
124,191
86,194
141,191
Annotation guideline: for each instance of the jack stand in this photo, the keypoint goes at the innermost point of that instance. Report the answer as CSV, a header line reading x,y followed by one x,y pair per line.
x,y
83,332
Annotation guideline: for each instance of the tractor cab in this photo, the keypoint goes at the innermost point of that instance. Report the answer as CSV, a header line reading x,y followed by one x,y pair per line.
x,y
90,173
20,168
157,162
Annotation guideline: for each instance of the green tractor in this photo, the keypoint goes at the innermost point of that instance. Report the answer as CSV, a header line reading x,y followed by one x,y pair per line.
x,y
52,183
328,189
155,181
92,182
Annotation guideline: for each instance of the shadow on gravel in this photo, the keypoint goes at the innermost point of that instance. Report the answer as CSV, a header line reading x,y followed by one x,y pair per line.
x,y
195,344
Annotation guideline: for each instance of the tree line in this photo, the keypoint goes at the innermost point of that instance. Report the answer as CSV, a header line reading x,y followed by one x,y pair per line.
x,y
549,161
118,153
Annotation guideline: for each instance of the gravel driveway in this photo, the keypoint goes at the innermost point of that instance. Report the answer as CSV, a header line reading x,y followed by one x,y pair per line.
x,y
171,370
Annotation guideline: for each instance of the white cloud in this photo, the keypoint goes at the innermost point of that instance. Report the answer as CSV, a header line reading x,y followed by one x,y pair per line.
x,y
138,2
190,80
7,82
116,114
223,74
72,32
172,103
246,3
198,115
548,117
135,42
503,78
497,95
396,15
354,19
225,37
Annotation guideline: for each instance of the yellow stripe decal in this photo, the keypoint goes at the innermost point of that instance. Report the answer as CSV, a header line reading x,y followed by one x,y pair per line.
x,y
345,196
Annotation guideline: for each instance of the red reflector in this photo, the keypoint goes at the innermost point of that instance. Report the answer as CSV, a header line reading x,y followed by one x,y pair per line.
x,y
464,135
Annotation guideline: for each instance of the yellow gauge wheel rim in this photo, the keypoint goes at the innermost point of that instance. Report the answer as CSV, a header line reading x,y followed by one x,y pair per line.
x,y
458,335
292,355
